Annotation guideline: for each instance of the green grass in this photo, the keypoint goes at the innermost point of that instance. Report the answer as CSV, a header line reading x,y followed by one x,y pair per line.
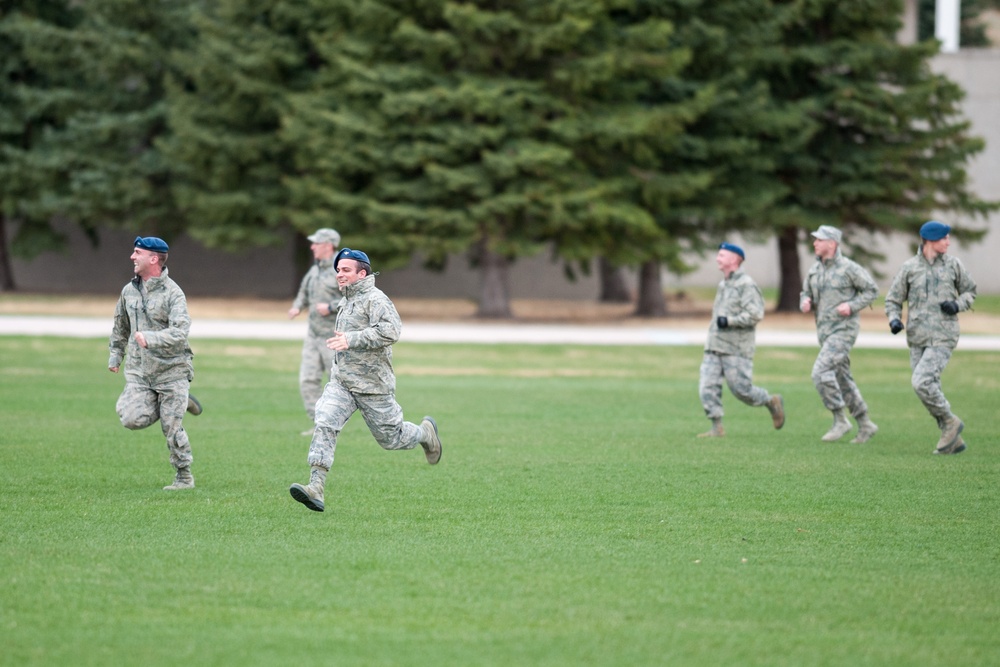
x,y
574,518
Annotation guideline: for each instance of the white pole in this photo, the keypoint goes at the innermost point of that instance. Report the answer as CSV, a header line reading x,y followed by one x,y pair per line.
x,y
946,19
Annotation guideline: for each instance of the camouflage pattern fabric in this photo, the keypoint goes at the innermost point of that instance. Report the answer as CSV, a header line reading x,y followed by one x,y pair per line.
x,y
928,363
831,374
319,285
832,282
141,405
381,413
930,333
739,299
370,321
828,284
157,377
317,360
158,309
923,286
363,376
738,373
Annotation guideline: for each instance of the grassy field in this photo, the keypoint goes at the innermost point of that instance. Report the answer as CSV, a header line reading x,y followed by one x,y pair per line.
x,y
574,518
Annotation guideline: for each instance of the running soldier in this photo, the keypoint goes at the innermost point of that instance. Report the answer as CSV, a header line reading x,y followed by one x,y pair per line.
x,y
836,290
150,333
936,287
319,293
363,379
731,344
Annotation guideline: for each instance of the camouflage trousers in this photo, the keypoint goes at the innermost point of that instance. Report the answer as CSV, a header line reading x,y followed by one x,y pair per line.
x,y
140,406
381,413
317,360
738,373
928,363
832,376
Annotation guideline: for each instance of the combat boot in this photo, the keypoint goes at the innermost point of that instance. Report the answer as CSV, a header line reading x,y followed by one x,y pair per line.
x,y
716,431
866,429
841,425
951,428
776,406
431,441
311,495
194,407
957,448
182,480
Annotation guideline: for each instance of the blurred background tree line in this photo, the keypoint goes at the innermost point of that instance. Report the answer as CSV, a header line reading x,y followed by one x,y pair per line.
x,y
613,133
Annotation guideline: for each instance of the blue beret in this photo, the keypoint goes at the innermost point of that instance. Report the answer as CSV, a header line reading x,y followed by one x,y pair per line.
x,y
347,253
932,230
151,243
731,247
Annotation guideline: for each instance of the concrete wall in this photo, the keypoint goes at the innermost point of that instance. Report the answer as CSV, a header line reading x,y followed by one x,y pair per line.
x,y
263,272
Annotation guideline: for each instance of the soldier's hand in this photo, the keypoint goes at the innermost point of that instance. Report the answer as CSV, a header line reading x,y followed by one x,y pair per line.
x,y
806,305
722,321
949,307
337,342
895,327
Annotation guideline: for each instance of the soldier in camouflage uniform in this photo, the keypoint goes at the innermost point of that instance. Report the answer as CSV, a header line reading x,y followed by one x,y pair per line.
x,y
319,293
835,290
363,379
729,351
936,287
150,333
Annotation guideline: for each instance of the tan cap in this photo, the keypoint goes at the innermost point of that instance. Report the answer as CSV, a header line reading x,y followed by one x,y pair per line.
x,y
325,235
828,233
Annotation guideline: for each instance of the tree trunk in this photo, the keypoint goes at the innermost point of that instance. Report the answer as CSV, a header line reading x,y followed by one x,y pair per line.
x,y
791,274
7,283
494,295
613,287
651,302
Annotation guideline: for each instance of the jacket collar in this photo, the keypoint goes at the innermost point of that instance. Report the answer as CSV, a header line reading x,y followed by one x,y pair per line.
x,y
152,283
366,284
833,260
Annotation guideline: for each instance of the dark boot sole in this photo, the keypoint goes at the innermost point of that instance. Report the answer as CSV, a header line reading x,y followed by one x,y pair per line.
x,y
299,494
433,460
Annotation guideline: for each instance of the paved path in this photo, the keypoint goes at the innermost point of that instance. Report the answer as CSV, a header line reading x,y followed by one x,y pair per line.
x,y
451,332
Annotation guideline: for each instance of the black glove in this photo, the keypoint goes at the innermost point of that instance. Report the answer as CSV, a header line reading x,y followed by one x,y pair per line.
x,y
722,321
949,307
895,327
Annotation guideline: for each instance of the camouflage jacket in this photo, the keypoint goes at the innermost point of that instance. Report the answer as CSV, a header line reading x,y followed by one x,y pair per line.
x,y
833,282
158,309
319,285
739,300
370,321
923,286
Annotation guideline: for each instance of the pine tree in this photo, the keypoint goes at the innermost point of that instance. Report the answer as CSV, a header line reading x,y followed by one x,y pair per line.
x,y
120,57
490,130
225,107
99,70
885,145
32,103
709,177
